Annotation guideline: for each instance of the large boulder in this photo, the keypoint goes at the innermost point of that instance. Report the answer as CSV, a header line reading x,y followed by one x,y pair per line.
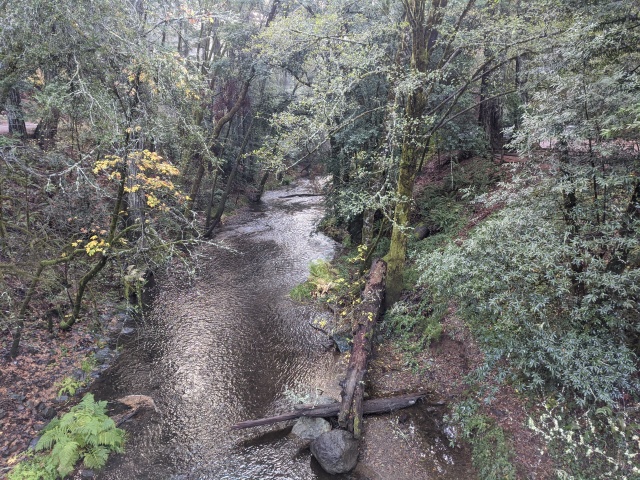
x,y
336,451
308,429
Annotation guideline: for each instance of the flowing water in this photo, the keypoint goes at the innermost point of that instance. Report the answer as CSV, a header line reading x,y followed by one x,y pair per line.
x,y
225,345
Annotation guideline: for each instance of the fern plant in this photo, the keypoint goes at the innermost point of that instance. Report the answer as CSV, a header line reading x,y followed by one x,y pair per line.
x,y
85,433
69,386
34,468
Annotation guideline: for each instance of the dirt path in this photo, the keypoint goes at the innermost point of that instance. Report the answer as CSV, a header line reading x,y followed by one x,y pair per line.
x,y
4,127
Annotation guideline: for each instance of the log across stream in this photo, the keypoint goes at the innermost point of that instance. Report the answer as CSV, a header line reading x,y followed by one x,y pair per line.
x,y
378,405
353,406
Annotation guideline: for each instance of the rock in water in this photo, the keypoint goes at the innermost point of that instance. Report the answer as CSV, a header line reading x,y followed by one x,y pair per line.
x,y
308,429
336,451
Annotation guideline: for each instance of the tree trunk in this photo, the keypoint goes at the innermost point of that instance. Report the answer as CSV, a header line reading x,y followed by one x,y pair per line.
x,y
197,181
212,194
97,268
350,416
413,147
47,129
232,176
134,199
260,191
15,115
27,300
489,114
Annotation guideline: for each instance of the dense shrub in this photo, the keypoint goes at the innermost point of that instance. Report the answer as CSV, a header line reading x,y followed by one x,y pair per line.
x,y
517,283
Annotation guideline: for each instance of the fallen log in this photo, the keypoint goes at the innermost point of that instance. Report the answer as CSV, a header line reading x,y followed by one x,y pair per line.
x,y
303,195
351,410
378,405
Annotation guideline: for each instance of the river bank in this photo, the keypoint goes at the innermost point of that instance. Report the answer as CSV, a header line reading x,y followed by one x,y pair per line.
x,y
53,371
204,370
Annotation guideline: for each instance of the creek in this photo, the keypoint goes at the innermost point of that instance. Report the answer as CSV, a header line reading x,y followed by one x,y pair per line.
x,y
224,344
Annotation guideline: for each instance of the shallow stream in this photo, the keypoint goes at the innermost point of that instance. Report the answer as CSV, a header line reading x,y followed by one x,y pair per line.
x,y
227,344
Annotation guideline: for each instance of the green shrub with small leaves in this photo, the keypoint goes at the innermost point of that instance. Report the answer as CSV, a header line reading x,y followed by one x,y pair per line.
x,y
597,443
85,433
491,451
414,326
516,283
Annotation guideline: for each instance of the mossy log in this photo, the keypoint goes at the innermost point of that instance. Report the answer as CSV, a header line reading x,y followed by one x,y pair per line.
x,y
351,410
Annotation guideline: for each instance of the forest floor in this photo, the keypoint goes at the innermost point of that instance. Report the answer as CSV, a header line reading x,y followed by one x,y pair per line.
x,y
51,367
443,367
441,370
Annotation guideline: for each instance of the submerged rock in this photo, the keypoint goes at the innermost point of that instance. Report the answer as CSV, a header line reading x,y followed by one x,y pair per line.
x,y
336,451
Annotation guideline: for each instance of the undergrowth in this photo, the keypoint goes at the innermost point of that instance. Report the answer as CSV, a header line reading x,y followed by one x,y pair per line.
x,y
85,433
413,326
492,453
597,443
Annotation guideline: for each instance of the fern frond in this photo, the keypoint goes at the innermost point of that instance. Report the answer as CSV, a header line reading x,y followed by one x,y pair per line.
x,y
66,454
101,407
46,441
112,438
108,424
89,430
96,457
51,425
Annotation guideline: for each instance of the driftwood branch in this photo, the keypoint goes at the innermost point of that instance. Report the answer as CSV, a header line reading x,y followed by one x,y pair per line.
x,y
378,405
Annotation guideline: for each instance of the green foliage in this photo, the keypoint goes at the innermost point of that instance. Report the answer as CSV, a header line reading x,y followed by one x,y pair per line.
x,y
598,443
414,326
34,468
302,292
85,433
518,295
323,279
69,386
88,364
491,452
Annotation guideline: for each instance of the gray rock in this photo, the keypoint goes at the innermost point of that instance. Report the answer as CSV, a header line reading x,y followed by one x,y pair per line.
x,y
38,426
3,413
18,397
61,399
308,429
33,443
336,451
87,474
103,355
342,341
127,331
425,230
47,412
